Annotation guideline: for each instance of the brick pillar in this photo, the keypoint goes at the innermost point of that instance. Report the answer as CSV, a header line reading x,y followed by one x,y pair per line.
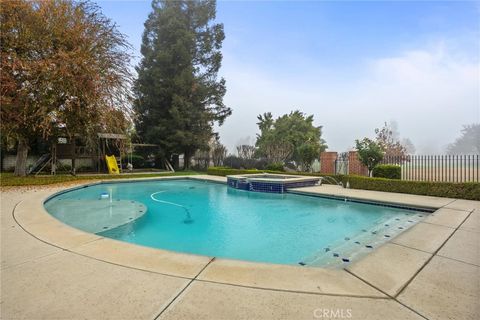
x,y
327,162
355,166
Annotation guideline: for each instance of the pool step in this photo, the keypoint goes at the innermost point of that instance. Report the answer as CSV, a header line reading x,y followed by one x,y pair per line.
x,y
97,216
351,248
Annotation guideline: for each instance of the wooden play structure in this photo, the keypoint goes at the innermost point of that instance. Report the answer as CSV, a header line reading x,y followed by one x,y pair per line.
x,y
62,148
111,149
111,152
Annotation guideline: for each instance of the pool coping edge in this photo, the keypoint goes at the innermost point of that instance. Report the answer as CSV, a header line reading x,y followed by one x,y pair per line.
x,y
46,228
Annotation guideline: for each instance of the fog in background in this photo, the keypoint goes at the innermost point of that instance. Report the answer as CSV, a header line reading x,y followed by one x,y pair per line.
x,y
353,65
430,93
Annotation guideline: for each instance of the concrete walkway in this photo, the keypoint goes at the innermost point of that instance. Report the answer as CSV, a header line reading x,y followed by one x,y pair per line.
x,y
42,281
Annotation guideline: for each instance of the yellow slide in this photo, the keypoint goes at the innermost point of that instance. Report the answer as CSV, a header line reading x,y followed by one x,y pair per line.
x,y
112,165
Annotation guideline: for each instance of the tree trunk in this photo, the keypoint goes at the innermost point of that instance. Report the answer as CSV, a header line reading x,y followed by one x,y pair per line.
x,y
21,161
186,160
175,162
74,156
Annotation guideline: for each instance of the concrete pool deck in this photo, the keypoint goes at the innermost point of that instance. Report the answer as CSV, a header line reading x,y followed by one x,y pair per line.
x,y
50,270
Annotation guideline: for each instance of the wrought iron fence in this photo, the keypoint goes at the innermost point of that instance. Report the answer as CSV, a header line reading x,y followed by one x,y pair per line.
x,y
341,163
446,168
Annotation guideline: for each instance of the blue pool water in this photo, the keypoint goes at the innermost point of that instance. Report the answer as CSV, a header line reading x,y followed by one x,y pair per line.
x,y
211,219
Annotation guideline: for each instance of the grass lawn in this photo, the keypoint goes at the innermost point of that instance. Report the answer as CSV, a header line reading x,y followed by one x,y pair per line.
x,y
8,179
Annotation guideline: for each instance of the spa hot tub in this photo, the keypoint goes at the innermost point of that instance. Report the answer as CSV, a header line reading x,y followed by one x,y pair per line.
x,y
267,182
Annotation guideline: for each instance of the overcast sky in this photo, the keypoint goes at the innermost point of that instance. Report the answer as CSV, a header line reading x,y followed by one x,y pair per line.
x,y
353,65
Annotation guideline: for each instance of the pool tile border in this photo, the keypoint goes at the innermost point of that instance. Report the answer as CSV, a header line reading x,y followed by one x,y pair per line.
x,y
32,217
378,197
363,201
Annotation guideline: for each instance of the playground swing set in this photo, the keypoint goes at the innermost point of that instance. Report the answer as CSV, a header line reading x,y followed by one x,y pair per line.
x,y
113,163
111,149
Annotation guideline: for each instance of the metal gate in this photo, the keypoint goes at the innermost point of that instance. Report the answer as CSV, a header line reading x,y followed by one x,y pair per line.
x,y
341,164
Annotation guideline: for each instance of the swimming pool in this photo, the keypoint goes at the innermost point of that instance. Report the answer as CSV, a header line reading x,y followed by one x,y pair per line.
x,y
207,218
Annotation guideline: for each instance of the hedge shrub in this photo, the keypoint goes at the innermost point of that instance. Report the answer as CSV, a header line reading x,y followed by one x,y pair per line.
x,y
240,163
466,190
226,171
275,167
388,171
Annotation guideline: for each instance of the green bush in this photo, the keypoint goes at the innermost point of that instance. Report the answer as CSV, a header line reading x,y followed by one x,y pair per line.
x,y
62,168
388,171
240,163
85,169
137,161
225,171
275,166
466,190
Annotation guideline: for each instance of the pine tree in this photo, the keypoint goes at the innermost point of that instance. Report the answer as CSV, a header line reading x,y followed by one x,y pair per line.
x,y
178,94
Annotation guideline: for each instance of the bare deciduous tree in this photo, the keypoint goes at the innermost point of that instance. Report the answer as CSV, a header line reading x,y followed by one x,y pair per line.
x,y
387,140
219,153
278,151
246,151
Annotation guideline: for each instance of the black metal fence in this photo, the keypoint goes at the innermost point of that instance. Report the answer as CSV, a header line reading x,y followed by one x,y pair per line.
x,y
446,168
341,163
